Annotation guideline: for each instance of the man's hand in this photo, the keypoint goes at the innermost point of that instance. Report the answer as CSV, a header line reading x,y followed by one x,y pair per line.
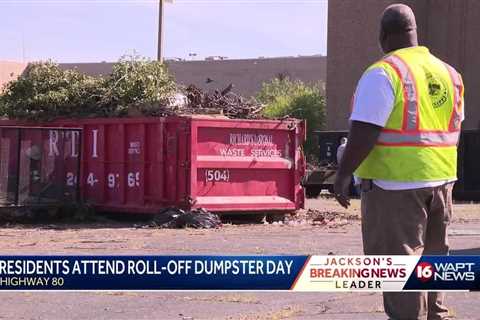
x,y
341,189
361,140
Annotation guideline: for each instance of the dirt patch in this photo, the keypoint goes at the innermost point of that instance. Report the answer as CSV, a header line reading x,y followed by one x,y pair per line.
x,y
288,312
320,218
229,298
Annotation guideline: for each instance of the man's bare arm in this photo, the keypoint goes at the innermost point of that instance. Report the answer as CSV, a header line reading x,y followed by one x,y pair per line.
x,y
361,140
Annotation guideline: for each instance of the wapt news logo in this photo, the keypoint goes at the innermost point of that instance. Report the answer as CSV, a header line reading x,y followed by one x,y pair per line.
x,y
445,271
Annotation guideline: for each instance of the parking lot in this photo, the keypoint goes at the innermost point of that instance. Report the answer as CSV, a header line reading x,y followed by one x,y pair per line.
x,y
338,234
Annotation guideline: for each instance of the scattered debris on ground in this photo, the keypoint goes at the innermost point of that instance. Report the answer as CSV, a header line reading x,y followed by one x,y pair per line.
x,y
330,219
228,298
287,312
173,218
176,218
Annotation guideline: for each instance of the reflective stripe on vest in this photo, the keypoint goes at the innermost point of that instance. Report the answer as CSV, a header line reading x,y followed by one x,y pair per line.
x,y
456,119
410,94
410,134
422,138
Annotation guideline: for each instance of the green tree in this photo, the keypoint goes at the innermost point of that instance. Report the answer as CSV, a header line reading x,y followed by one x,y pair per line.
x,y
45,91
139,83
293,98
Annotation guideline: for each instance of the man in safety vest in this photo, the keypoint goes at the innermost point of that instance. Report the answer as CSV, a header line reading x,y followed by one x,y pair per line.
x,y
405,125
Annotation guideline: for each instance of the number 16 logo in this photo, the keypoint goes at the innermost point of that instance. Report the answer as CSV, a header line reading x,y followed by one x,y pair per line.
x,y
424,271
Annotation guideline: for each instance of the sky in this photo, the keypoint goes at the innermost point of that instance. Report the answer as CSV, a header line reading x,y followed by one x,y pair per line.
x,y
104,30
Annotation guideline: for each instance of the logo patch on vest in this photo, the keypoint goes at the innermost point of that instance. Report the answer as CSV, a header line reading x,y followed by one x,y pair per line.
x,y
436,89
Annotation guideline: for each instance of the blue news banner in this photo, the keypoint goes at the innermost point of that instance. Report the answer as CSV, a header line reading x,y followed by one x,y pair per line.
x,y
297,273
149,272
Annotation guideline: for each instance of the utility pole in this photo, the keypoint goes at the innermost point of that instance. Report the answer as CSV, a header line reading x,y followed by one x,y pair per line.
x,y
161,9
160,31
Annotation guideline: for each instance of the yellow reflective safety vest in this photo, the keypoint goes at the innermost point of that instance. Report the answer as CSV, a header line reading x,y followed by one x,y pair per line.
x,y
419,140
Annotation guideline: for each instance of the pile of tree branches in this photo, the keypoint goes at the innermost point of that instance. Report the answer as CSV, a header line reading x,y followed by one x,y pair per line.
x,y
135,87
222,102
45,91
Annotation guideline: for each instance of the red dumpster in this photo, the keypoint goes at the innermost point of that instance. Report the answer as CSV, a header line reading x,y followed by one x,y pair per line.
x,y
223,165
38,165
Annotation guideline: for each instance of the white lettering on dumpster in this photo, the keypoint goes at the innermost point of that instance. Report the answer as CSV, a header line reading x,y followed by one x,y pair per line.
x,y
217,175
53,140
228,152
91,180
113,180
133,179
269,153
94,144
71,179
75,136
134,147
247,139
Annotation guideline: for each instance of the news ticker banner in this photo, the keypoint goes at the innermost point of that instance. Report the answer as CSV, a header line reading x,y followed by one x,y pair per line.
x,y
295,273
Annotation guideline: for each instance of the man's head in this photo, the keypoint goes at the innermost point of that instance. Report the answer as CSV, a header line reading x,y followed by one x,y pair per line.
x,y
398,28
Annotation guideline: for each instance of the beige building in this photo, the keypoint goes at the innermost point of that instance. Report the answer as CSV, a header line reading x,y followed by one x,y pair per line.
x,y
246,75
450,28
10,70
